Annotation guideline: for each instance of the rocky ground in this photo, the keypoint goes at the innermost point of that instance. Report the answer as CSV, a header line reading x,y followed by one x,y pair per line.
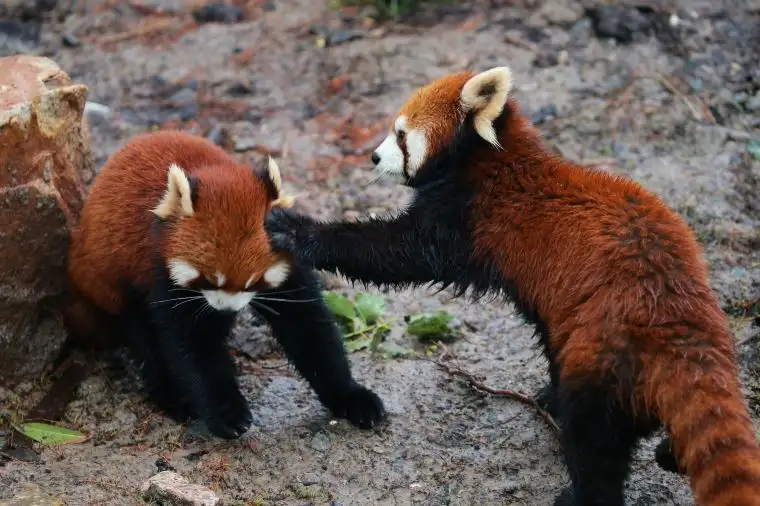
x,y
671,98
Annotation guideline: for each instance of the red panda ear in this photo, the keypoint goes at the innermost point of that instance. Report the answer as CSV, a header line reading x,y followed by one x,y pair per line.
x,y
273,181
179,195
484,95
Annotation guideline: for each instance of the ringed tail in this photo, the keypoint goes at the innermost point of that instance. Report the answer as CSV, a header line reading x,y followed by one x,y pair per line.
x,y
699,400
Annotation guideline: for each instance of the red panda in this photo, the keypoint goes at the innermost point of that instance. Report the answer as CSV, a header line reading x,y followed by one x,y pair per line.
x,y
170,246
613,279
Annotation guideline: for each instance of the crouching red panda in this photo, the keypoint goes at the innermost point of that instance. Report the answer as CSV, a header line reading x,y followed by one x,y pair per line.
x,y
170,246
614,281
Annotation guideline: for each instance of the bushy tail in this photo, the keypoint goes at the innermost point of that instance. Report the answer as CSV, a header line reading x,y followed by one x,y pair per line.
x,y
699,400
85,324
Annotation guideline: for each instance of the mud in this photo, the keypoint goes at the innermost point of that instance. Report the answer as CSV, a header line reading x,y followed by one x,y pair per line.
x,y
675,108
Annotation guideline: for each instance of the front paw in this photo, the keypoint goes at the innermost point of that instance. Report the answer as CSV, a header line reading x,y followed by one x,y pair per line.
x,y
229,417
287,230
361,406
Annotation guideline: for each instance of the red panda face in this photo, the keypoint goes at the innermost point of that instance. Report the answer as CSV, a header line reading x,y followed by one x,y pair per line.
x,y
216,244
428,121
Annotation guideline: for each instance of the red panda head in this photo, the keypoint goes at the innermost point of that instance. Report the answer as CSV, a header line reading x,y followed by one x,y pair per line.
x,y
429,120
215,241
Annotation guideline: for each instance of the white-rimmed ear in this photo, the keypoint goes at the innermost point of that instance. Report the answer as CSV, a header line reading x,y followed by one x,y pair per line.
x,y
485,95
282,200
178,197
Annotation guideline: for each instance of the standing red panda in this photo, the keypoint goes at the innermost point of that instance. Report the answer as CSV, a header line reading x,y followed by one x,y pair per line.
x,y
614,281
170,246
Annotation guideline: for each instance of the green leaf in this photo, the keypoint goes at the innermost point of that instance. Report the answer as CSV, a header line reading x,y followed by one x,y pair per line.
x,y
357,344
430,325
50,434
370,306
393,350
339,305
754,149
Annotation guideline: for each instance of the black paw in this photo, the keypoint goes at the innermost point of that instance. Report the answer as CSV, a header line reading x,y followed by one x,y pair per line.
x,y
287,230
361,406
565,498
664,457
230,417
546,398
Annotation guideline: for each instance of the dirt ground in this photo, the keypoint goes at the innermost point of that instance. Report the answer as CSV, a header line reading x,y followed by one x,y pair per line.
x,y
677,108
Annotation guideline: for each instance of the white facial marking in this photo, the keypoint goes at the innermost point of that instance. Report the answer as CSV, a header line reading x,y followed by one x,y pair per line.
x,y
249,282
226,301
391,157
277,274
400,124
181,272
220,279
416,149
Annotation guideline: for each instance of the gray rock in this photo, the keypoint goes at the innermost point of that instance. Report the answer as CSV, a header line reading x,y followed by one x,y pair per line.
x,y
169,488
45,149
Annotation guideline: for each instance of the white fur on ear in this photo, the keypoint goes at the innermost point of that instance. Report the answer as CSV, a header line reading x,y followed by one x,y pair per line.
x,y
485,94
283,201
177,198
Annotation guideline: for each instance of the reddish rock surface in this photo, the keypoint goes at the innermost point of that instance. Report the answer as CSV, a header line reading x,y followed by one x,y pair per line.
x,y
45,153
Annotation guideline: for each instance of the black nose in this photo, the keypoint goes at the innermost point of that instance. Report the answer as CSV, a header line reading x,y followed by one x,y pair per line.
x,y
375,158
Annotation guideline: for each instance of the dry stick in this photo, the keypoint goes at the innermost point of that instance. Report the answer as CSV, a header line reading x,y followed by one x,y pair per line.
x,y
456,371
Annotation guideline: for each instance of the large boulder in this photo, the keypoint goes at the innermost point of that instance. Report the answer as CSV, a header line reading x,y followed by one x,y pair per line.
x,y
45,158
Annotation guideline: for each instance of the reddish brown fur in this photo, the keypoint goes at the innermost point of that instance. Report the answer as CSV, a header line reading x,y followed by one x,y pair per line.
x,y
657,311
112,244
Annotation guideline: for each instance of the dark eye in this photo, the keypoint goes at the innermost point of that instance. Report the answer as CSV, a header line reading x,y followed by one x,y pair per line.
x,y
401,134
203,284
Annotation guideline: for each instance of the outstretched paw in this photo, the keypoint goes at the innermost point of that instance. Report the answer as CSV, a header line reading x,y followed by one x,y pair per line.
x,y
287,230
230,417
361,406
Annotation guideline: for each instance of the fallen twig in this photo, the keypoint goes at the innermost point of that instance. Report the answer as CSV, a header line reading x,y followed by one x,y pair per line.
x,y
672,89
478,385
748,339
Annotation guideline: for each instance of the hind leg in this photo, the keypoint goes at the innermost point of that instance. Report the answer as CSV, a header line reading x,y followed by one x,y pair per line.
x,y
597,439
140,339
663,455
547,397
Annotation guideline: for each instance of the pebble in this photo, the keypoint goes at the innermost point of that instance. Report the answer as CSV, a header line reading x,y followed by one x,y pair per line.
x,y
170,488
321,442
544,114
753,104
70,40
618,22
218,12
183,97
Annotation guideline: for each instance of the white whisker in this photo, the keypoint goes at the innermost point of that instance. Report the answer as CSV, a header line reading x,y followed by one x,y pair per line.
x,y
258,297
264,306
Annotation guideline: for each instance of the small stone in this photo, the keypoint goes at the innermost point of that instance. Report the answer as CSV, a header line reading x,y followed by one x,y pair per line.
x,y
618,22
169,488
183,97
31,495
557,13
753,104
218,12
321,442
70,40
543,114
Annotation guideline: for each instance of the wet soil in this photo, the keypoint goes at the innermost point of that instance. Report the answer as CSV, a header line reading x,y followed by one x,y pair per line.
x,y
670,98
